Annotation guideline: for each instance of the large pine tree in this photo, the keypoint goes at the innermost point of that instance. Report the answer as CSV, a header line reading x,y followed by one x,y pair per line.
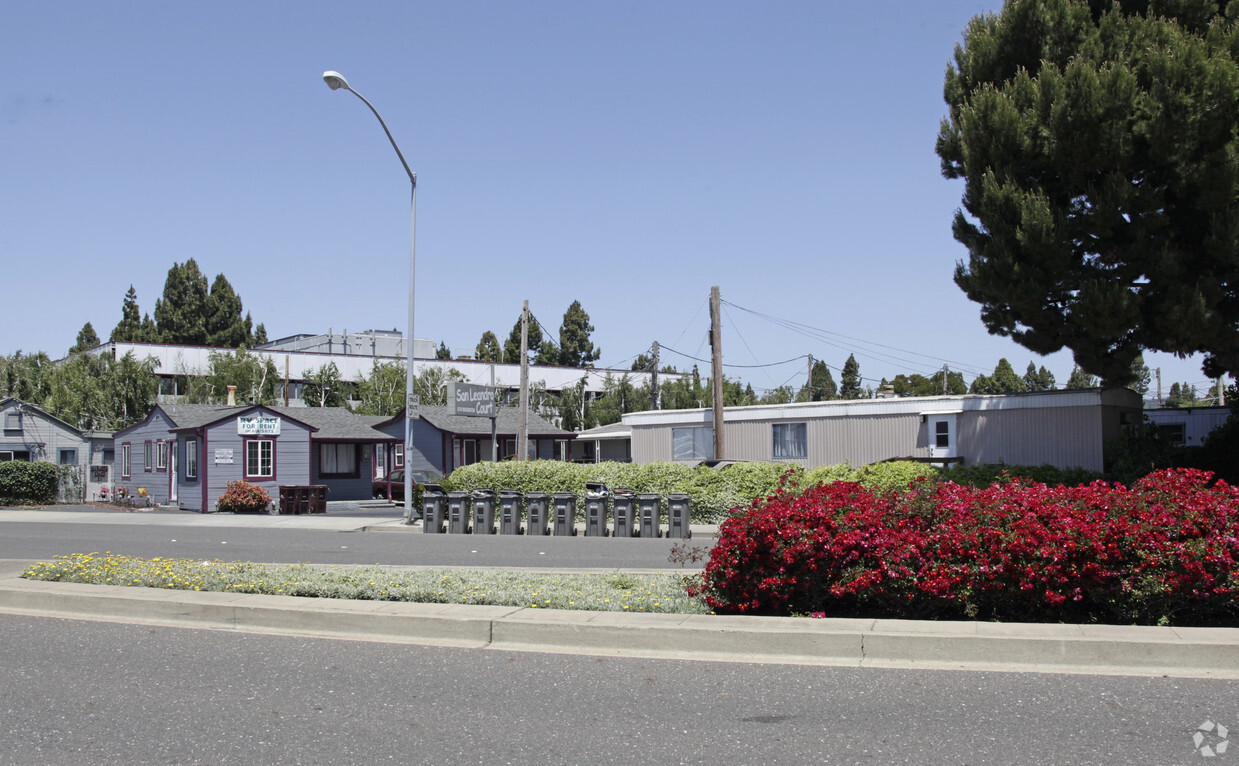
x,y
850,383
129,329
225,326
181,314
575,347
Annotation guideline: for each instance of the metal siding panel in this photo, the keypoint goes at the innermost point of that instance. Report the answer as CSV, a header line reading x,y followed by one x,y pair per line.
x,y
1063,437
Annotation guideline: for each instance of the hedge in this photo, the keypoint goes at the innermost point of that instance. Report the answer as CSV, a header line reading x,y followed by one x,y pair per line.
x,y
23,483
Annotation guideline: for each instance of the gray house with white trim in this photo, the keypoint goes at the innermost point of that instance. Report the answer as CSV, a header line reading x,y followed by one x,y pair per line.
x,y
32,434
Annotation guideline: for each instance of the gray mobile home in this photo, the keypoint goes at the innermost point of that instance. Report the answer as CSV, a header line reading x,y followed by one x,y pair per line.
x,y
1069,428
32,434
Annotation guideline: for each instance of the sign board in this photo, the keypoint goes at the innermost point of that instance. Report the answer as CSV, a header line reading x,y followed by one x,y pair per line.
x,y
410,406
258,425
473,401
223,457
99,473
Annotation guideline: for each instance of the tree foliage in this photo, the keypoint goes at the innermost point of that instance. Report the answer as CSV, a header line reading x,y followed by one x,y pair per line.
x,y
86,339
1081,379
382,393
181,314
850,387
1002,381
325,387
821,385
488,348
575,347
1099,150
225,327
129,328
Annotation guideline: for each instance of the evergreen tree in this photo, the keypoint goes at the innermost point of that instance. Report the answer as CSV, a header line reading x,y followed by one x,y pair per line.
x,y
1141,376
86,339
1002,380
512,346
129,329
260,333
181,314
149,333
225,327
1097,143
821,385
850,387
782,395
488,349
575,347
442,352
1038,379
1182,395
1081,379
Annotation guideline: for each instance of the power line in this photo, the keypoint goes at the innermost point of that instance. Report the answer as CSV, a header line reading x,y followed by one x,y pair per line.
x,y
742,366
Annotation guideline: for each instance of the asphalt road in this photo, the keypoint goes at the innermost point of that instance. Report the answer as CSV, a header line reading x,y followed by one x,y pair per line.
x,y
404,546
89,693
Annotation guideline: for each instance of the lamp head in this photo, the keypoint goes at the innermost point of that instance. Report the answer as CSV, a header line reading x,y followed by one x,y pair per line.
x,y
335,80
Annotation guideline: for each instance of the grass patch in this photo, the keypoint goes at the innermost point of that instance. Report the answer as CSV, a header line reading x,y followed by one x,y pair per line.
x,y
615,592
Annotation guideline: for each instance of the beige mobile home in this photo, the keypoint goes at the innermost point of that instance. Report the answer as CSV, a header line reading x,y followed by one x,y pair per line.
x,y
1069,428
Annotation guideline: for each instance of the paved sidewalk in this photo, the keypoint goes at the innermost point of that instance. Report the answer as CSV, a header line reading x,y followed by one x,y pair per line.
x,y
1095,649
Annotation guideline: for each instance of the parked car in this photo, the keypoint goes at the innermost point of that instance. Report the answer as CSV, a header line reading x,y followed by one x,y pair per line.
x,y
379,486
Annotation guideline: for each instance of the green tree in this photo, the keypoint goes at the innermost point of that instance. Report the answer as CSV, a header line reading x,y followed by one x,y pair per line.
x,y
260,332
1141,376
782,395
132,386
1081,379
29,377
512,346
324,387
821,384
256,380
488,349
572,406
443,352
1182,395
225,327
129,329
850,387
181,313
430,384
575,347
86,339
382,393
1038,379
1097,144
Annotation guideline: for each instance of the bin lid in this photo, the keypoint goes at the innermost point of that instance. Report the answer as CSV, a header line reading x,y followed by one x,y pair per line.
x,y
595,486
507,491
624,491
483,492
436,489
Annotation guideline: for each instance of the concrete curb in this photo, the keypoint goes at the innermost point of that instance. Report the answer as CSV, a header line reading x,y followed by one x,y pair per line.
x,y
1021,647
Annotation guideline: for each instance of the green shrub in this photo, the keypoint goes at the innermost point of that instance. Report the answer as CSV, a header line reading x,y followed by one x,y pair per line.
x,y
988,475
23,483
243,497
895,475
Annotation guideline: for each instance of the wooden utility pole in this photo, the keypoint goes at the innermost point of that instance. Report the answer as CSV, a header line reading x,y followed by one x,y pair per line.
x,y
286,380
522,447
1159,386
653,380
809,381
716,357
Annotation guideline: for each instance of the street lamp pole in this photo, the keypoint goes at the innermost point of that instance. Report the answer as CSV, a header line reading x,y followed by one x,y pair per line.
x,y
336,81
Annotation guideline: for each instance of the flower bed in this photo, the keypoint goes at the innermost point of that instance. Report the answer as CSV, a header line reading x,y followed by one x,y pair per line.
x,y
1163,551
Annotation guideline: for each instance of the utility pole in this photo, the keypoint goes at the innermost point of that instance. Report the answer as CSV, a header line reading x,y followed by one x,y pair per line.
x,y
946,373
1221,392
809,380
1159,386
716,357
494,421
522,447
653,381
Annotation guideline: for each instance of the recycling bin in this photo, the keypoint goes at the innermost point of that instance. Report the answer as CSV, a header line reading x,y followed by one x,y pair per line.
x,y
509,512
458,512
648,513
621,506
434,507
565,514
483,512
596,509
677,516
536,505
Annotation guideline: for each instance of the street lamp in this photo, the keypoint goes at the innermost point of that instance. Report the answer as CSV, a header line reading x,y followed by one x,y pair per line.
x,y
336,81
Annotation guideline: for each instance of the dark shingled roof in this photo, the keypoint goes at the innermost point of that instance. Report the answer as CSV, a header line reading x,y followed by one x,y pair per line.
x,y
331,423
508,422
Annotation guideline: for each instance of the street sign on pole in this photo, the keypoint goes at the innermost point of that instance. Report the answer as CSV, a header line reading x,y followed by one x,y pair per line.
x,y
410,410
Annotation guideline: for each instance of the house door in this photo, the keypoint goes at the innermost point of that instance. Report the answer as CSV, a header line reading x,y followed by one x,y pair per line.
x,y
172,472
943,440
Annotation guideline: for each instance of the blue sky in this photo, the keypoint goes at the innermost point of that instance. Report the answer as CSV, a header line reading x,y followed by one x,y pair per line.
x,y
628,155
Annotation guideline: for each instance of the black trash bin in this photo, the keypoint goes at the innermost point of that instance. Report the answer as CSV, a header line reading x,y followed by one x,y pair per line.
x,y
510,511
648,511
483,512
434,508
622,504
677,516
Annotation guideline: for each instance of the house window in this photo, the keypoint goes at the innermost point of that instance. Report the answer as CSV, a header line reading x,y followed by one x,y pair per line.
x,y
1175,433
191,459
398,453
259,458
692,444
12,421
470,456
161,455
148,456
68,457
337,459
791,441
125,460
942,434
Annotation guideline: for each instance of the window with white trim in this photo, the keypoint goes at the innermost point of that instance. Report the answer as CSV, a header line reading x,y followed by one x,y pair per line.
x,y
337,459
692,444
259,458
398,456
125,461
942,434
148,456
191,459
791,441
161,455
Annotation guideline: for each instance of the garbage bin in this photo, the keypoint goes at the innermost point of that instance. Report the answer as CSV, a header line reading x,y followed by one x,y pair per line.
x,y
434,502
483,512
648,512
536,505
677,516
565,514
621,503
318,498
509,512
596,494
458,512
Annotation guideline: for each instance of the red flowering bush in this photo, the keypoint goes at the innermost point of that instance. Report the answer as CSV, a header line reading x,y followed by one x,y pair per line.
x,y
1164,550
243,497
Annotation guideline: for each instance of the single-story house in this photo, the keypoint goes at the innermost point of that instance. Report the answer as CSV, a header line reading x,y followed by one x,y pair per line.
x,y
30,433
443,441
1187,426
185,454
1068,428
609,443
